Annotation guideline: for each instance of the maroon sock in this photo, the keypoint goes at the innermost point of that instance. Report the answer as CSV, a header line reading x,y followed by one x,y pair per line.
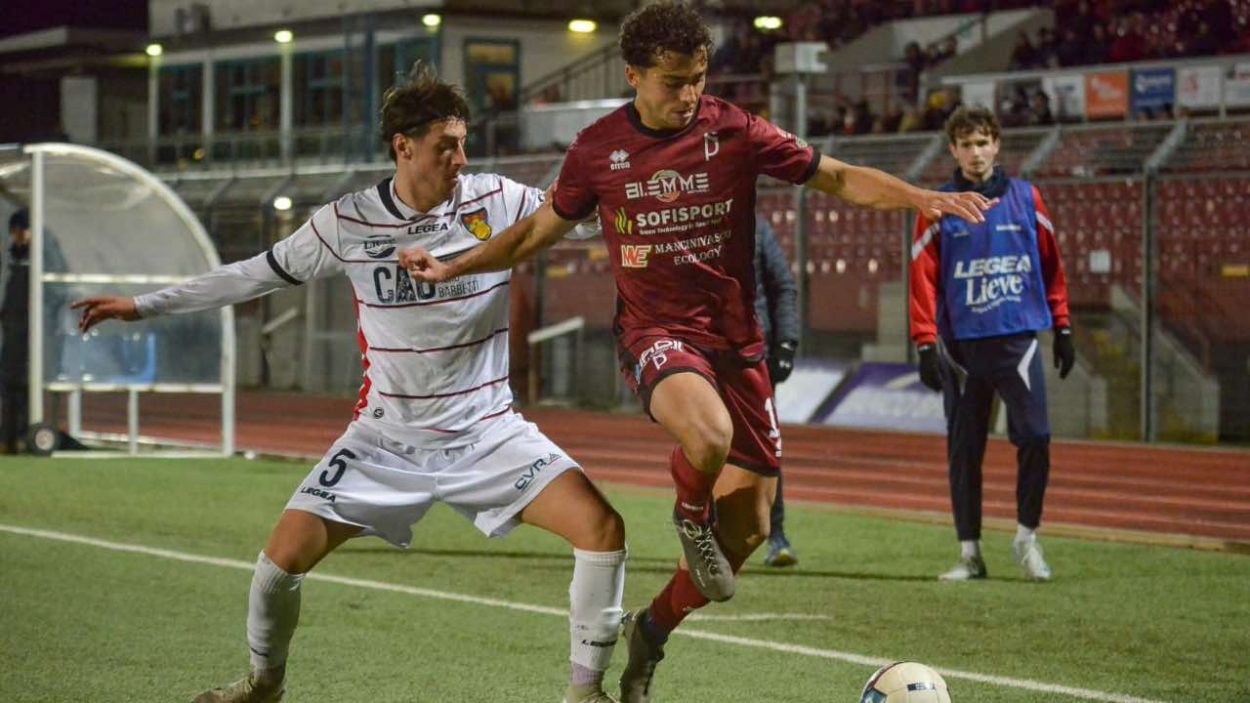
x,y
680,598
694,488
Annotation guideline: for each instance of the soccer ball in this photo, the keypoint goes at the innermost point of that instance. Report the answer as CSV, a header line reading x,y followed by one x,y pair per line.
x,y
905,682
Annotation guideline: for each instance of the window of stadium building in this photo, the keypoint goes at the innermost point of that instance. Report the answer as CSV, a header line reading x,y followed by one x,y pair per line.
x,y
319,88
395,60
180,98
248,94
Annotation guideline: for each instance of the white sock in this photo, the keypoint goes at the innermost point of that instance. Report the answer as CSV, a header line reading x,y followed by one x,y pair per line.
x,y
1024,534
969,548
272,613
595,595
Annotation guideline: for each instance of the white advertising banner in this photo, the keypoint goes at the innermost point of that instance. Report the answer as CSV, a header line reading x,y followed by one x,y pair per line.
x,y
1198,86
1237,86
1067,96
980,93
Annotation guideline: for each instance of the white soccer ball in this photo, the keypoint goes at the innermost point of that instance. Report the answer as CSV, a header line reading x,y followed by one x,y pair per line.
x,y
905,682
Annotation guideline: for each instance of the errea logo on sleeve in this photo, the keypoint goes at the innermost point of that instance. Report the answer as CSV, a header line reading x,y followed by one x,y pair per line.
x,y
619,159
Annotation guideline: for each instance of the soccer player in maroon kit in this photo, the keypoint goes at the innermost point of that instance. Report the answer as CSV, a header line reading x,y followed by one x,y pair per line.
x,y
671,176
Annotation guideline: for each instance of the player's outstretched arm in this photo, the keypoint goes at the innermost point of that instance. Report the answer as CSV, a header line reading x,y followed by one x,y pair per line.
x,y
99,308
225,285
868,186
521,241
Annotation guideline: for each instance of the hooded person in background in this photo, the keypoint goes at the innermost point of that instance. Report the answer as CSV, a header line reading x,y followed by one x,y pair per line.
x,y
15,350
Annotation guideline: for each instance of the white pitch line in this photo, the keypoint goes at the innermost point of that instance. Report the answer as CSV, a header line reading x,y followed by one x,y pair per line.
x,y
850,657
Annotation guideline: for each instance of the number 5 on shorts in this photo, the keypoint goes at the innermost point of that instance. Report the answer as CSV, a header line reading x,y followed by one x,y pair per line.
x,y
336,462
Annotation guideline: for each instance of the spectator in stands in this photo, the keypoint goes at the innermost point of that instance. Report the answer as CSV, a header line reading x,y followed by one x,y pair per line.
x,y
911,121
1081,22
861,118
1095,50
939,106
1130,41
892,120
1203,43
1039,109
1023,55
976,339
776,307
1046,44
1070,51
908,79
803,22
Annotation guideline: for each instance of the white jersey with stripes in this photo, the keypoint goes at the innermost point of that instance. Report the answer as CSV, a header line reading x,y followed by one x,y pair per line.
x,y
435,356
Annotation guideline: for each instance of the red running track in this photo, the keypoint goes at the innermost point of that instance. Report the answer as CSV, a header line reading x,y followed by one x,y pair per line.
x,y
1198,492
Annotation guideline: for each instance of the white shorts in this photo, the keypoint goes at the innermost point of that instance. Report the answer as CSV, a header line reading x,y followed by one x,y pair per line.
x,y
386,486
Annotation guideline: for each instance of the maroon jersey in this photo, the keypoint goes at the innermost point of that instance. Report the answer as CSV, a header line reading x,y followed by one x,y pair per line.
x,y
678,214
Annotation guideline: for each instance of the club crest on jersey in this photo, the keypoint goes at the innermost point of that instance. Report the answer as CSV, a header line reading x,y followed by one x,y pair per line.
x,y
477,225
379,246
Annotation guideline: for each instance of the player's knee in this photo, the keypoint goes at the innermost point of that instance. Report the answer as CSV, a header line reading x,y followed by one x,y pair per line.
x,y
289,559
1032,440
707,446
608,533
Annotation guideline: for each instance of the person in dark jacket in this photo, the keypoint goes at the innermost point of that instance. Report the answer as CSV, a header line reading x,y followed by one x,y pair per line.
x,y
15,332
14,352
980,293
775,306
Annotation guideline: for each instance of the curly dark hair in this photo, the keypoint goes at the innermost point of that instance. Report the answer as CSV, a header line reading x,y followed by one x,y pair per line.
x,y
412,105
649,31
967,120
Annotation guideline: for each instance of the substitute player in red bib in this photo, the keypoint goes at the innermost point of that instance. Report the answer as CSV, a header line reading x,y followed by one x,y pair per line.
x,y
671,176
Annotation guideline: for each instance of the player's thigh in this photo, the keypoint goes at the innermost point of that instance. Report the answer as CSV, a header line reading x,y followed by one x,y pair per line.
x,y
503,473
368,484
1023,390
691,409
573,508
301,540
744,499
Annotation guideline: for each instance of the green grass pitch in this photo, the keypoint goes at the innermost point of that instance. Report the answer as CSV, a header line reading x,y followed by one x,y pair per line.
x,y
84,623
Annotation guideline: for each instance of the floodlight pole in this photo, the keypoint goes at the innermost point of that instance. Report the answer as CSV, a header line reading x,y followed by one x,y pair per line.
x,y
803,287
35,272
798,60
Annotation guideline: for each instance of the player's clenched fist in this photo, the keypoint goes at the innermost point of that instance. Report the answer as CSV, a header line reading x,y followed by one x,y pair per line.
x,y
422,266
104,307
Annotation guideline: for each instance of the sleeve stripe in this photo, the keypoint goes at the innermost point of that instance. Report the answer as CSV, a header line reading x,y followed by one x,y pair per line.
x,y
277,268
1045,222
923,241
811,169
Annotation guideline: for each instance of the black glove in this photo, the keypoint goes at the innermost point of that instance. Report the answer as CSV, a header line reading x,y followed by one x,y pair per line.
x,y
930,366
1065,353
781,362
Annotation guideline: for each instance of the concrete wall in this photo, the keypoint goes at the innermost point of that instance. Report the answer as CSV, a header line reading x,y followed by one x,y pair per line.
x,y
235,14
546,46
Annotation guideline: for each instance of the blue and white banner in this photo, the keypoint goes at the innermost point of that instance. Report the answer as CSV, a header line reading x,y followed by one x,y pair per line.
x,y
1153,88
807,389
888,397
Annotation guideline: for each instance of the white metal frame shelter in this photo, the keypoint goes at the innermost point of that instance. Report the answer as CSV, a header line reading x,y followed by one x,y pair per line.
x,y
38,154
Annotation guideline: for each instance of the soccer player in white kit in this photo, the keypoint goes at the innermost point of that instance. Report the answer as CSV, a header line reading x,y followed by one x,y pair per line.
x,y
434,418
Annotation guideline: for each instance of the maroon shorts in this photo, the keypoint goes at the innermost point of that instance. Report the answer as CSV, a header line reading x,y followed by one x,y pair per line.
x,y
743,386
